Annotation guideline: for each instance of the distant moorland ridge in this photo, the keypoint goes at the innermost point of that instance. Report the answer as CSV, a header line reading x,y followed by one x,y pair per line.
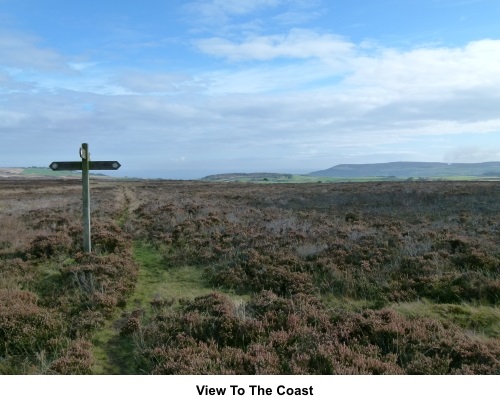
x,y
411,169
397,170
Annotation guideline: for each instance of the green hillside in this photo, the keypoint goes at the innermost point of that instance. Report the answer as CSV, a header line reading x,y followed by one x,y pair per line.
x,y
411,169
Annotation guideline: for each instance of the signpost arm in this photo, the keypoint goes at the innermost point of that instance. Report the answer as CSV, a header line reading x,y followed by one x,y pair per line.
x,y
84,152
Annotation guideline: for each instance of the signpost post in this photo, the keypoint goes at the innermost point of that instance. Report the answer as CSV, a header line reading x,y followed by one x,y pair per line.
x,y
85,166
85,155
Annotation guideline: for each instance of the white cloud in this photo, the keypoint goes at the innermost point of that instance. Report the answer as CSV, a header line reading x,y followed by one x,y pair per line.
x,y
421,70
424,89
296,18
237,7
241,17
24,52
298,43
427,70
216,10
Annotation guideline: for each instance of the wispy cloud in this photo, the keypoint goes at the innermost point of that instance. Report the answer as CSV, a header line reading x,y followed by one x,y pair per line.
x,y
298,17
217,10
21,51
298,43
244,16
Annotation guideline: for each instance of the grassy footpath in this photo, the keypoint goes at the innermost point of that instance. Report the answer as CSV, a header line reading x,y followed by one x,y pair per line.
x,y
114,353
155,279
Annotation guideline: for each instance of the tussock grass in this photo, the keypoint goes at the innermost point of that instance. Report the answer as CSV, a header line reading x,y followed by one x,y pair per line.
x,y
479,319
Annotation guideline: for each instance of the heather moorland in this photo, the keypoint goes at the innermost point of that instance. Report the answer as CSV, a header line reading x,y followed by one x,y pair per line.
x,y
190,277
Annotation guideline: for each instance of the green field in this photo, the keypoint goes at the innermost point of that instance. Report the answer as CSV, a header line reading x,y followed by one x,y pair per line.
x,y
40,171
302,178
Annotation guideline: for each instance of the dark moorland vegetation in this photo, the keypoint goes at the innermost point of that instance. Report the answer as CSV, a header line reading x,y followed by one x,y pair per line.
x,y
242,278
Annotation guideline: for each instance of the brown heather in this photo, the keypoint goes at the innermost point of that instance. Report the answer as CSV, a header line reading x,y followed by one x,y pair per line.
x,y
305,279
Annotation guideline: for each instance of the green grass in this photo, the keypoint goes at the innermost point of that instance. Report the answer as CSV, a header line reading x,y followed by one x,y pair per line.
x,y
156,278
114,353
38,171
478,319
300,178
335,303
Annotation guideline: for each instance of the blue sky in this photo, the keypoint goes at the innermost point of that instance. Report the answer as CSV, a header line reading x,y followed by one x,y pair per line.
x,y
184,89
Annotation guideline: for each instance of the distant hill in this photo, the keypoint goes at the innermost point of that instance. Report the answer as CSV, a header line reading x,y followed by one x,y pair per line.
x,y
264,176
411,169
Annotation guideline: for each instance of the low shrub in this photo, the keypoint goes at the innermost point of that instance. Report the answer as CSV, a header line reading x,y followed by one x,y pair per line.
x,y
48,246
77,358
297,335
26,328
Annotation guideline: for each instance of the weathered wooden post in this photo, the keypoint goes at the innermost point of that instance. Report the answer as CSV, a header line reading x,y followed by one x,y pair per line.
x,y
85,166
85,155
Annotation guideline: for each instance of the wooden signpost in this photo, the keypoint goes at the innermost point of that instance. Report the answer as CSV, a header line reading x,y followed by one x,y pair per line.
x,y
85,165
